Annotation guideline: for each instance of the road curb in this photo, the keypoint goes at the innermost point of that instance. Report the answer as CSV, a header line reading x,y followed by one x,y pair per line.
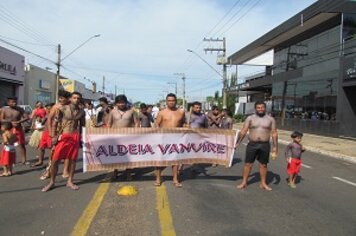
x,y
326,153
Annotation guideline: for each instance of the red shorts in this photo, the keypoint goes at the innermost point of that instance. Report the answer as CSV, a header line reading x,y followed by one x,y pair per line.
x,y
7,157
20,134
294,166
46,141
67,147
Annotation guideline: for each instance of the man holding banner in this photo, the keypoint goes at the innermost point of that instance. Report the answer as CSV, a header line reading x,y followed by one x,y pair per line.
x,y
122,117
170,117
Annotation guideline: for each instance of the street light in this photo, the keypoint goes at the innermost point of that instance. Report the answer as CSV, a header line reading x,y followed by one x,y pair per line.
x,y
60,60
191,51
223,76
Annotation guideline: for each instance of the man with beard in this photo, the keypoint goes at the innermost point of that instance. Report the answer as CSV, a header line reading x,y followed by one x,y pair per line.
x,y
71,119
261,127
170,117
196,119
16,115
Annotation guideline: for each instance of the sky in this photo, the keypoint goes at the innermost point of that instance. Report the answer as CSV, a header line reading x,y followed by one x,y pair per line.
x,y
143,43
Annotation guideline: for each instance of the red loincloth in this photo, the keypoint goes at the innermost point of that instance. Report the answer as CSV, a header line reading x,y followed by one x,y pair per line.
x,y
46,141
67,147
7,157
20,134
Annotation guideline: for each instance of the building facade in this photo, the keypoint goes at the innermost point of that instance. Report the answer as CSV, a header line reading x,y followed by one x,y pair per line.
x,y
40,85
312,83
11,75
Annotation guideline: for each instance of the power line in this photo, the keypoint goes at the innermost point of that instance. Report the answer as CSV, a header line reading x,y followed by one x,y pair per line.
x,y
15,21
222,18
25,50
253,6
26,42
231,18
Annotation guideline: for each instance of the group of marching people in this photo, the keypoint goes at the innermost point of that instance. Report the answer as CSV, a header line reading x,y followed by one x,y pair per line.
x,y
57,127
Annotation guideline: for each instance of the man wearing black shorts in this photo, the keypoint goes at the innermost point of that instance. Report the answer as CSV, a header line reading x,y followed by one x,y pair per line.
x,y
261,127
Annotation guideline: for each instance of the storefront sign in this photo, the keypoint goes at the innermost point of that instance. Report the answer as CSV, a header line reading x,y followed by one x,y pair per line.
x,y
45,84
7,68
349,68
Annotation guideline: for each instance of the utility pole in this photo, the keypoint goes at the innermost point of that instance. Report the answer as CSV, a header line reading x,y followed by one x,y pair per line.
x,y
58,71
183,79
103,84
221,61
174,83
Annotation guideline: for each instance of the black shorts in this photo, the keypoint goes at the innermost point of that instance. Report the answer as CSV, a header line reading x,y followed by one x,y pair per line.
x,y
259,150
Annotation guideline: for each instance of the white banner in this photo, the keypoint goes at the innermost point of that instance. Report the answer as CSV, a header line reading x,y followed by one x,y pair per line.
x,y
146,147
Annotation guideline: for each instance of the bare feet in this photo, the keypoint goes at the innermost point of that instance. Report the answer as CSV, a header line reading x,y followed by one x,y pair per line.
x,y
241,186
37,164
48,187
5,175
65,175
157,183
72,186
265,187
177,185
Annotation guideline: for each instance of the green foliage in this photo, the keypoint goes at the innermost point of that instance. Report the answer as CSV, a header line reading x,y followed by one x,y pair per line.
x,y
239,118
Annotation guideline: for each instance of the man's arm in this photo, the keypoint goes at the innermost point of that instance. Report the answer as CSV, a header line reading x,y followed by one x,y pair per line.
x,y
159,120
24,117
136,119
243,132
274,138
110,119
2,116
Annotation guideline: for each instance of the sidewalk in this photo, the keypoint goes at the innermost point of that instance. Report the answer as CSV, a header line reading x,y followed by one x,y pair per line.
x,y
334,147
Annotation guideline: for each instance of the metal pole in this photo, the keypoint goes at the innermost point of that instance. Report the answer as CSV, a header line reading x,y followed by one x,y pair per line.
x,y
58,72
224,76
183,78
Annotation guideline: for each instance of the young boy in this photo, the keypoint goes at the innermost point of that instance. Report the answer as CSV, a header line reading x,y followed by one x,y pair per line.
x,y
293,157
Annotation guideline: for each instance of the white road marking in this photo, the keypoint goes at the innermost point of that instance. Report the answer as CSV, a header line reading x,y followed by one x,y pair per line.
x,y
345,181
306,166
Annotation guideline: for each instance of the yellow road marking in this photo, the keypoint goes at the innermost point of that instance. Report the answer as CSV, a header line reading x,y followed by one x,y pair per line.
x,y
82,226
164,212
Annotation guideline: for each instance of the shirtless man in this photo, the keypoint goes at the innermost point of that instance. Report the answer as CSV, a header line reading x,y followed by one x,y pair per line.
x,y
214,118
226,121
71,119
103,112
145,116
170,117
196,119
261,127
16,116
63,99
122,117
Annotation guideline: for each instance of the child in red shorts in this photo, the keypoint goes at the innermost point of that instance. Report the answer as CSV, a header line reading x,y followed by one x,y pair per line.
x,y
293,155
8,155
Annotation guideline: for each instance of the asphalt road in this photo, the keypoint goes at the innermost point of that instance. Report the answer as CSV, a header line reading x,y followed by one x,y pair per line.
x,y
208,204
